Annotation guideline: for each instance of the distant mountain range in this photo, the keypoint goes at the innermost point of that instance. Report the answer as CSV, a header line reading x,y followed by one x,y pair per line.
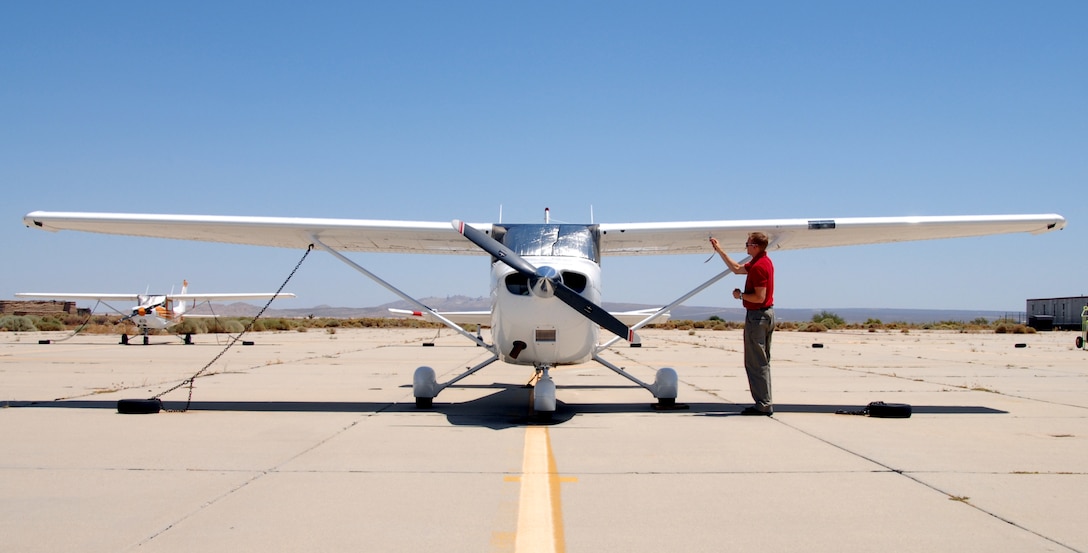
x,y
695,313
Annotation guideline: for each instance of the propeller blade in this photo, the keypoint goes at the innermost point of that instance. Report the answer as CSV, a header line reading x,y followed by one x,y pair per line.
x,y
495,248
593,312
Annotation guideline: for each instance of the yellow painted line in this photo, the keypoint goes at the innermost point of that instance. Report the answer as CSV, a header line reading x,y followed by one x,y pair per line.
x,y
540,514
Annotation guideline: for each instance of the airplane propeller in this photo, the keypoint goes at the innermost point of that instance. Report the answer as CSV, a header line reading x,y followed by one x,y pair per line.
x,y
545,281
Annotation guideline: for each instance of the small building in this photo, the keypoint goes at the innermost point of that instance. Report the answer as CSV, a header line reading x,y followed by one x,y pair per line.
x,y
1060,313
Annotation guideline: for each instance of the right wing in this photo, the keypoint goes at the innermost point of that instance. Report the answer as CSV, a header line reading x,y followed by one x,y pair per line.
x,y
357,235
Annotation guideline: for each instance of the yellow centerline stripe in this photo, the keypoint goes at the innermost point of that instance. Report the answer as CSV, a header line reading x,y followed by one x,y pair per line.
x,y
540,514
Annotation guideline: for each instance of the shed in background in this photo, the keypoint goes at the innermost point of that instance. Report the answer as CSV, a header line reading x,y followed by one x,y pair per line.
x,y
1060,313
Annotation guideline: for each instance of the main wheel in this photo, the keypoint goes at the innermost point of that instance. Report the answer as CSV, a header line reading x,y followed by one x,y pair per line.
x,y
1080,342
424,387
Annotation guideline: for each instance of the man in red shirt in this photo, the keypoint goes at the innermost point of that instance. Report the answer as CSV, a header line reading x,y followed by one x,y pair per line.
x,y
758,298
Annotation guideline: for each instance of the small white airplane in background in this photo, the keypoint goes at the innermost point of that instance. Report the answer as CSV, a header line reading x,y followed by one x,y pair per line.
x,y
545,278
156,311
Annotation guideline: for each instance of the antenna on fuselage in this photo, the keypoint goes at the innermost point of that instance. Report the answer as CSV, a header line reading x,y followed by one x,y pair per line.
x,y
547,215
591,214
500,214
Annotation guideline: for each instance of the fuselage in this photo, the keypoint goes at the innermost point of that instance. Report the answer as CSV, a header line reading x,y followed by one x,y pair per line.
x,y
156,313
530,327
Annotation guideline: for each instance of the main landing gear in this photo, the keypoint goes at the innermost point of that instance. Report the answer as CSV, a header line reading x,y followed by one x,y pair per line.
x,y
665,386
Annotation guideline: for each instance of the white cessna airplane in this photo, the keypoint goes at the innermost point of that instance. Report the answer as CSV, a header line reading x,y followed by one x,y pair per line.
x,y
545,277
156,311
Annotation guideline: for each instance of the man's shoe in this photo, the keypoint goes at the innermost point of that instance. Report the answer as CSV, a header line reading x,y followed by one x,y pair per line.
x,y
753,411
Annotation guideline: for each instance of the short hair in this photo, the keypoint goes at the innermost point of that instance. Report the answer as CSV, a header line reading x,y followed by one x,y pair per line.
x,y
758,238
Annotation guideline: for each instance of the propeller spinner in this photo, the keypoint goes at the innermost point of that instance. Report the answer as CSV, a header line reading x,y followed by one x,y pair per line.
x,y
545,281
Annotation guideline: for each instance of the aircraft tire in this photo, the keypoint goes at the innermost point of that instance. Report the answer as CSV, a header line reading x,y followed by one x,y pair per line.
x,y
881,410
139,406
543,396
1080,342
424,402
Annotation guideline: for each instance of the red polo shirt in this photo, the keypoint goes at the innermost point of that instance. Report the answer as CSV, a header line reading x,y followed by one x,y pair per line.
x,y
760,274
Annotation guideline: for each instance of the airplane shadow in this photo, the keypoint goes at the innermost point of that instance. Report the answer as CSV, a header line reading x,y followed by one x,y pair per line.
x,y
508,407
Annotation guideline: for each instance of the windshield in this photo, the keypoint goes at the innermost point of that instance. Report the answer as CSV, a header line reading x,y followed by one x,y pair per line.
x,y
561,240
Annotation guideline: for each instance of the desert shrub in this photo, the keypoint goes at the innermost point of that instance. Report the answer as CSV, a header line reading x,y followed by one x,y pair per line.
x,y
231,326
191,326
17,323
1013,329
828,319
48,323
273,324
943,325
812,327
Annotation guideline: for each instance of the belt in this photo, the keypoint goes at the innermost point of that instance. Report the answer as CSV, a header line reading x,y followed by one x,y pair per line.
x,y
762,308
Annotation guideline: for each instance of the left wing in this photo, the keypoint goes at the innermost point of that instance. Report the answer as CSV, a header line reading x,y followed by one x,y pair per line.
x,y
364,235
795,234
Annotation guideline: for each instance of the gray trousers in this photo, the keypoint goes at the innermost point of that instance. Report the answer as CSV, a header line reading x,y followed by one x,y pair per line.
x,y
758,328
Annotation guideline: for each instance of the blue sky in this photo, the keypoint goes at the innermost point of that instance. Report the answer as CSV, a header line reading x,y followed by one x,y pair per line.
x,y
629,111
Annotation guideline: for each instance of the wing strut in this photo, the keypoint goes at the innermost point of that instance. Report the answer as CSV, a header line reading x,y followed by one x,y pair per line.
x,y
419,305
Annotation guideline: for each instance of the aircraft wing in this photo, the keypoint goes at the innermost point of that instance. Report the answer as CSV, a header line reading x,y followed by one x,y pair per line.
x,y
357,235
637,316
136,297
794,234
365,235
66,296
484,317
459,317
220,297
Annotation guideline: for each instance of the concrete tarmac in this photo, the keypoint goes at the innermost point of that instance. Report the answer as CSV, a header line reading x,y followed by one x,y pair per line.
x,y
311,441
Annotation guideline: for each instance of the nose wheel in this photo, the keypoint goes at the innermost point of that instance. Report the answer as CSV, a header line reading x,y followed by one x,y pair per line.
x,y
543,394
